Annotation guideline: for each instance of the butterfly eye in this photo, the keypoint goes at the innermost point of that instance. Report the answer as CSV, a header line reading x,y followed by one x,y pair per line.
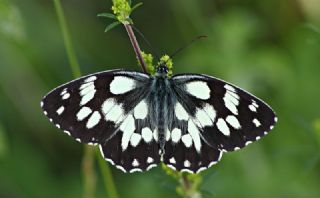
x,y
162,69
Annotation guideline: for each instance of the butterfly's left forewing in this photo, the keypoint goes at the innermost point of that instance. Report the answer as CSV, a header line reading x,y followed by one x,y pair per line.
x,y
108,109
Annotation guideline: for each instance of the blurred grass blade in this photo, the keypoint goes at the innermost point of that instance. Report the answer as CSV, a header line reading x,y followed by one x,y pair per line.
x,y
111,26
136,6
107,176
67,40
3,143
107,15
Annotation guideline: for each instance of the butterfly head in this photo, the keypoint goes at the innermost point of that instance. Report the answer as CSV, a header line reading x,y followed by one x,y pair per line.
x,y
164,67
162,70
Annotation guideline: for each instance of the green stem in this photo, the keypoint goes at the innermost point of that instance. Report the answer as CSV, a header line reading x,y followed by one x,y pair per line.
x,y
88,158
67,41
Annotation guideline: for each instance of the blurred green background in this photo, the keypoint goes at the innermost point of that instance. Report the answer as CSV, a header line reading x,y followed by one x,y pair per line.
x,y
270,48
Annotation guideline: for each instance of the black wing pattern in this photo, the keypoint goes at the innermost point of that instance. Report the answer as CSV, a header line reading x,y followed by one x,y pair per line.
x,y
213,117
237,117
133,116
108,109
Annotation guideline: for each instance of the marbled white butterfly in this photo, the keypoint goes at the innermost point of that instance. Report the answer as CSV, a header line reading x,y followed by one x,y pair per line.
x,y
187,121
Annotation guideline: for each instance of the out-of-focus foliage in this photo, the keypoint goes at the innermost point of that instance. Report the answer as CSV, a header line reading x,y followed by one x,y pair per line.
x,y
271,48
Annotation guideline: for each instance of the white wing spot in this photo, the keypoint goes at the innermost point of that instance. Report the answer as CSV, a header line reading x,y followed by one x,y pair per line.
x,y
107,105
151,166
172,167
223,127
167,135
175,135
121,168
233,121
150,160
64,91
83,113
248,142
231,101
187,171
254,103
60,110
210,111
194,132
58,126
141,110
202,118
85,85
135,162
135,139
187,163
87,89
199,89
115,114
180,112
87,93
90,79
87,97
65,96
230,88
127,127
252,108
146,134
172,160
201,169
93,120
121,85
155,135
256,122
187,140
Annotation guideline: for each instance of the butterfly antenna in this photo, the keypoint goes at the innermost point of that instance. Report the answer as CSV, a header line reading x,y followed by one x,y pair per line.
x,y
187,45
147,42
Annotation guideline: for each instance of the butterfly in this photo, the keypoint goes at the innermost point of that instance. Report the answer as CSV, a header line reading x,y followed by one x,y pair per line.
x,y
186,121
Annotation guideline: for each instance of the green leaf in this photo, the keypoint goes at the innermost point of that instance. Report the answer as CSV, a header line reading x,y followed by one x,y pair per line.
x,y
136,6
111,26
107,15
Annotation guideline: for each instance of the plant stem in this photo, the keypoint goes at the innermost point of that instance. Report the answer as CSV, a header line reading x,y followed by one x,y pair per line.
x,y
67,41
88,172
136,47
88,157
108,180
